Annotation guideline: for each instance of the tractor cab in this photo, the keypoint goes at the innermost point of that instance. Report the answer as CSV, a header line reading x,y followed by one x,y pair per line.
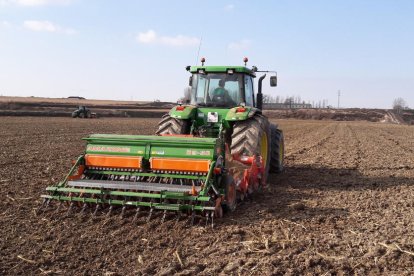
x,y
221,89
225,86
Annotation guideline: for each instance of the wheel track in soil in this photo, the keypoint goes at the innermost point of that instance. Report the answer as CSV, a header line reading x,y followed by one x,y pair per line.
x,y
359,152
389,147
391,137
339,149
305,128
306,149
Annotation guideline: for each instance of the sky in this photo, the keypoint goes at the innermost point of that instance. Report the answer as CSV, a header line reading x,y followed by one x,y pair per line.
x,y
138,50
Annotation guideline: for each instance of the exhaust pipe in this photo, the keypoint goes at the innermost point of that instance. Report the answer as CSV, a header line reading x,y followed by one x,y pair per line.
x,y
259,103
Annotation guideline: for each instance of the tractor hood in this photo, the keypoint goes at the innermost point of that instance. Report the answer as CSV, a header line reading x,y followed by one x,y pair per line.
x,y
238,113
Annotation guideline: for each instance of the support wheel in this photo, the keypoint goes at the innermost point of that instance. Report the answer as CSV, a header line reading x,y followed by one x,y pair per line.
x,y
218,211
230,202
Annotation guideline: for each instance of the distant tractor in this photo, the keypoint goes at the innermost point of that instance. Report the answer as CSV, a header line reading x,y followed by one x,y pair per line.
x,y
83,112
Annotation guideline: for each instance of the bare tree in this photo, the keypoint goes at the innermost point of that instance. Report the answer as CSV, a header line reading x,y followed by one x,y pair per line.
x,y
267,98
289,101
399,104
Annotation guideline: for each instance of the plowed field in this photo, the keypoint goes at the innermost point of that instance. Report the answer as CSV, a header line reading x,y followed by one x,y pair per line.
x,y
344,205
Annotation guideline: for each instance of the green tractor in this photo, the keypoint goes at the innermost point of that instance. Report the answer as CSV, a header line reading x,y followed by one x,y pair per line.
x,y
83,112
208,154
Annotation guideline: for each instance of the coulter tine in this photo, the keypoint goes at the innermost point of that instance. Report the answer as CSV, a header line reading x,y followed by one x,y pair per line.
x,y
47,203
163,216
123,211
150,214
96,210
83,208
212,219
136,214
207,217
70,208
109,211
178,216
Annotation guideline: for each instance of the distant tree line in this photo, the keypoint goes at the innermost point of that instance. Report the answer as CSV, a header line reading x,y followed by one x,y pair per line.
x,y
291,100
399,105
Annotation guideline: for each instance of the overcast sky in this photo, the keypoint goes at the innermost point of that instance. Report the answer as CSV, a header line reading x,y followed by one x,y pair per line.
x,y
139,49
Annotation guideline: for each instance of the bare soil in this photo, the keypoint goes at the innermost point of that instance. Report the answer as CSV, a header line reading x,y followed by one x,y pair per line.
x,y
343,206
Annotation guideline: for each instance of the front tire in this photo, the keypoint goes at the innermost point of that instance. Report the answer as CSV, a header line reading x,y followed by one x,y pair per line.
x,y
278,150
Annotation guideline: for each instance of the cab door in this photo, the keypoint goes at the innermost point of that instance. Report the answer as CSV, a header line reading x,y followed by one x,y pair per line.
x,y
248,91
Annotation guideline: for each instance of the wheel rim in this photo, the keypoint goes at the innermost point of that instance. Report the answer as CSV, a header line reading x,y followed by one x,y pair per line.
x,y
264,148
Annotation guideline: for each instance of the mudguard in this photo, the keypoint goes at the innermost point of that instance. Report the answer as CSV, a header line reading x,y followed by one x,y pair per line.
x,y
241,113
183,112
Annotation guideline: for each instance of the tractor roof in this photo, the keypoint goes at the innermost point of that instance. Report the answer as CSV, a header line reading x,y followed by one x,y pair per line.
x,y
223,69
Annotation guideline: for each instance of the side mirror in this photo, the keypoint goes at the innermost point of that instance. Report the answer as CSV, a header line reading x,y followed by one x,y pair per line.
x,y
273,81
190,81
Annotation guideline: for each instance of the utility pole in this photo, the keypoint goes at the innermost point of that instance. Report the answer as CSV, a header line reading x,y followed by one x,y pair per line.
x,y
339,96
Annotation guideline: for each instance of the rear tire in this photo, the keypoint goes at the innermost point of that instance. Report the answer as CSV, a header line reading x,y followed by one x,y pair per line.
x,y
169,125
246,138
278,150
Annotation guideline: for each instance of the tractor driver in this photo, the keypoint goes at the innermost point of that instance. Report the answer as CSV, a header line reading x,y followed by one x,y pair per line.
x,y
221,95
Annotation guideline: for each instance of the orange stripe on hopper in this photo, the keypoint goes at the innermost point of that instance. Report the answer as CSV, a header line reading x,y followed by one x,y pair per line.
x,y
109,161
180,164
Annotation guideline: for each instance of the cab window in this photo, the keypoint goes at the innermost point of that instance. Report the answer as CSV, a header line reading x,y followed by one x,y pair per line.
x,y
249,94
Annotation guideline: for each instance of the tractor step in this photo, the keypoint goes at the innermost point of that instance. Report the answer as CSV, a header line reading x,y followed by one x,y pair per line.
x,y
137,186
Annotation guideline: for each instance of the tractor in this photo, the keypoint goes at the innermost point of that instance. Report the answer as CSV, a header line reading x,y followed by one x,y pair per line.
x,y
209,153
83,112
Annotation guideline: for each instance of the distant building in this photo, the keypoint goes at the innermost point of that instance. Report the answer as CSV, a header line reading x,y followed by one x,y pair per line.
x,y
286,105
